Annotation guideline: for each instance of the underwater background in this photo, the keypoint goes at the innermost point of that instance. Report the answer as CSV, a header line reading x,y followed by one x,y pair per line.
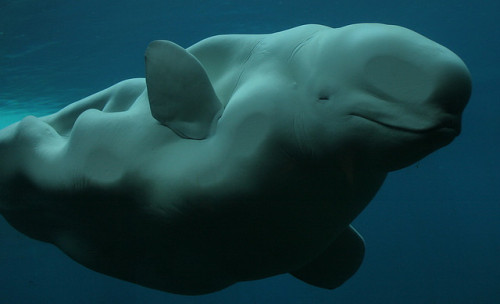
x,y
432,232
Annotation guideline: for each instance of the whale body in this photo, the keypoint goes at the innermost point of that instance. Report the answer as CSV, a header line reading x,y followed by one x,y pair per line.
x,y
239,158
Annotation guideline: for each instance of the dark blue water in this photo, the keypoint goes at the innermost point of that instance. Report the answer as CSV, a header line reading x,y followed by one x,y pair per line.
x,y
432,232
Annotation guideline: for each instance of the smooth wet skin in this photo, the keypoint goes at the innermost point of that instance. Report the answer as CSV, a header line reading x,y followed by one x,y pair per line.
x,y
240,158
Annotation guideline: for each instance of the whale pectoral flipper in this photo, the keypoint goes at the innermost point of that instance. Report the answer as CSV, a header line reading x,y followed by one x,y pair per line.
x,y
180,93
337,263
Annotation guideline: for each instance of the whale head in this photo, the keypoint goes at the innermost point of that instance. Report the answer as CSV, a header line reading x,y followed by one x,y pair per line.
x,y
385,94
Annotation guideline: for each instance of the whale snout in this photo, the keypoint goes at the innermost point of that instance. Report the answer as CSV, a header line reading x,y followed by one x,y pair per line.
x,y
453,86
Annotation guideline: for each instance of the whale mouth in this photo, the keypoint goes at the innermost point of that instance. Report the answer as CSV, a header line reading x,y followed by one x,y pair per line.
x,y
447,125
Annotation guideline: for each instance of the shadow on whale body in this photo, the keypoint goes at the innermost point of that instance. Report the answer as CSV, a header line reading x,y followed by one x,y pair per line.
x,y
239,158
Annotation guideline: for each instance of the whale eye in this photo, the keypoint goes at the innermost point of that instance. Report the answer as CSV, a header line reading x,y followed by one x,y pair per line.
x,y
323,98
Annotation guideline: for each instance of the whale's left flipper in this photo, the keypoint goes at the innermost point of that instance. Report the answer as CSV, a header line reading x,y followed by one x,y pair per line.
x,y
337,264
180,93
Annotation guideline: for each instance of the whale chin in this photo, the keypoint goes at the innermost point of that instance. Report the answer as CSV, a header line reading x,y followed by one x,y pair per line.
x,y
422,144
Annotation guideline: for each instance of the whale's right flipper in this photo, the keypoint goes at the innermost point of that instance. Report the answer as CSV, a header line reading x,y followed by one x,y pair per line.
x,y
337,264
180,93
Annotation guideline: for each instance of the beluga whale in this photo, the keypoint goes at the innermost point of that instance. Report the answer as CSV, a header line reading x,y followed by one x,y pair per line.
x,y
239,158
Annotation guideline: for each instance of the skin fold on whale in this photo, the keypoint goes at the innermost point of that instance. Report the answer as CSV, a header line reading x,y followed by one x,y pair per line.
x,y
239,158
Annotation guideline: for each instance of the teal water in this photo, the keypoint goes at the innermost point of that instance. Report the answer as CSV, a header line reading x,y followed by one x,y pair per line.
x,y
432,232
